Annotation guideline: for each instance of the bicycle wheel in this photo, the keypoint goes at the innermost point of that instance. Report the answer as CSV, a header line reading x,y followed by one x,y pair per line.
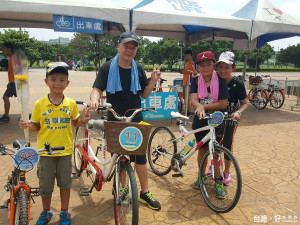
x,y
251,96
261,100
233,190
21,208
126,206
161,148
79,140
277,99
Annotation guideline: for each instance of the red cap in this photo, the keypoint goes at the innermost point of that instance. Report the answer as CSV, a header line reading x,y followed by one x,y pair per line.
x,y
204,56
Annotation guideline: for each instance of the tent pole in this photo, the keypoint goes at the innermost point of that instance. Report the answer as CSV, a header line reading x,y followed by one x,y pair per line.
x,y
256,60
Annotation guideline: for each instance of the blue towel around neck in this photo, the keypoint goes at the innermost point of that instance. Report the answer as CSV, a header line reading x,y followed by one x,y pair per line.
x,y
114,82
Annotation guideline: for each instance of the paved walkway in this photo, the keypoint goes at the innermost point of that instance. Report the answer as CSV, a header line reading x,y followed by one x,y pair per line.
x,y
266,146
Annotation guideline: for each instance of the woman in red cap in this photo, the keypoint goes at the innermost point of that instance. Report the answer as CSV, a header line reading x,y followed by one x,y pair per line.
x,y
208,93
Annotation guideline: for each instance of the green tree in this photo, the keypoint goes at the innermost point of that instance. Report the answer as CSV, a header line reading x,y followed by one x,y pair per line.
x,y
81,46
33,49
261,54
289,55
163,51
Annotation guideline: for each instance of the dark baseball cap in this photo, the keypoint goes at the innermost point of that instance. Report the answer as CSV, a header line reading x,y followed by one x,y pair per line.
x,y
57,67
128,36
204,56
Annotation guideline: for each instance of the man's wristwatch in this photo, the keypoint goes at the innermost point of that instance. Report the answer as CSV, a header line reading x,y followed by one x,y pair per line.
x,y
239,112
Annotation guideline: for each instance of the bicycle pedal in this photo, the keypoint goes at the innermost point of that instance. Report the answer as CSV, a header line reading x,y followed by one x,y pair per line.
x,y
177,175
84,191
75,176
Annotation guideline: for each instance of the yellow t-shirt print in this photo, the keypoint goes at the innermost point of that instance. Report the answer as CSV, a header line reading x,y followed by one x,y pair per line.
x,y
56,123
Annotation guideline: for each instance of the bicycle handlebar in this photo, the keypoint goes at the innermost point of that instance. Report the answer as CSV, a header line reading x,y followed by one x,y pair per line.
x,y
108,106
47,148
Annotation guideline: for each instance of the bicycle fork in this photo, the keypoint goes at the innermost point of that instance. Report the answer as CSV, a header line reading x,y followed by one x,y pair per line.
x,y
212,162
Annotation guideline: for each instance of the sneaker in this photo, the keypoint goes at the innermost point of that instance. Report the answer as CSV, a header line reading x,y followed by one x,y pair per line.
x,y
147,198
65,218
227,178
4,119
45,217
123,193
220,191
197,182
208,171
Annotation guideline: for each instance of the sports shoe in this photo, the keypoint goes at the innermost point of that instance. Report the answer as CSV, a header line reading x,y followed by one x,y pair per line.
x,y
4,119
65,218
208,171
220,191
45,217
197,182
123,193
147,198
227,178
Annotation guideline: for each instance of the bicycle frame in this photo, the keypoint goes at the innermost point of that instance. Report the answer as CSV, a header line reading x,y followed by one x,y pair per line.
x,y
91,159
210,137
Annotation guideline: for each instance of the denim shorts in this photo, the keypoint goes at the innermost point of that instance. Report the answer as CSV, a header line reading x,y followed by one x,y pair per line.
x,y
11,90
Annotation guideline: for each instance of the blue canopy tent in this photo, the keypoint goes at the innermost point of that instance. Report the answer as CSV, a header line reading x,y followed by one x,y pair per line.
x,y
268,22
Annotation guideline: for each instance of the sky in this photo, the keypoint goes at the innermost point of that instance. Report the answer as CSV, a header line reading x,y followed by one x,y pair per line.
x,y
291,7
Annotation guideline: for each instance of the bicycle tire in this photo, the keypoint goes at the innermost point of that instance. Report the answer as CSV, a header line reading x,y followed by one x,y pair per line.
x,y
79,140
126,207
278,101
251,95
233,190
158,156
21,208
262,101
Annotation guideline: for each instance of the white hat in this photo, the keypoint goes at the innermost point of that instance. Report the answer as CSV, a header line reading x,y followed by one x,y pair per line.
x,y
227,57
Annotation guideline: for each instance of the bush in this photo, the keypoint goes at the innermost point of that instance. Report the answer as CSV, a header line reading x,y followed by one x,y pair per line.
x,y
88,68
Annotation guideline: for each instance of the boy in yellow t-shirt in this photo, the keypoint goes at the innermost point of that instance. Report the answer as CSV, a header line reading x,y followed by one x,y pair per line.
x,y
52,117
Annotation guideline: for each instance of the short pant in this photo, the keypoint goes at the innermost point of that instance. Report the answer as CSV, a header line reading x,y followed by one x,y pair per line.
x,y
49,168
11,90
138,159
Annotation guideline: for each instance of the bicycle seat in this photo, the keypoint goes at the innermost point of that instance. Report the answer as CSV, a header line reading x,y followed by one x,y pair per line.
x,y
97,124
178,115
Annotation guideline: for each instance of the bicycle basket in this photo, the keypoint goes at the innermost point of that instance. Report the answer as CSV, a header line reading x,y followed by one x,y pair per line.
x,y
262,86
177,88
255,80
126,138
